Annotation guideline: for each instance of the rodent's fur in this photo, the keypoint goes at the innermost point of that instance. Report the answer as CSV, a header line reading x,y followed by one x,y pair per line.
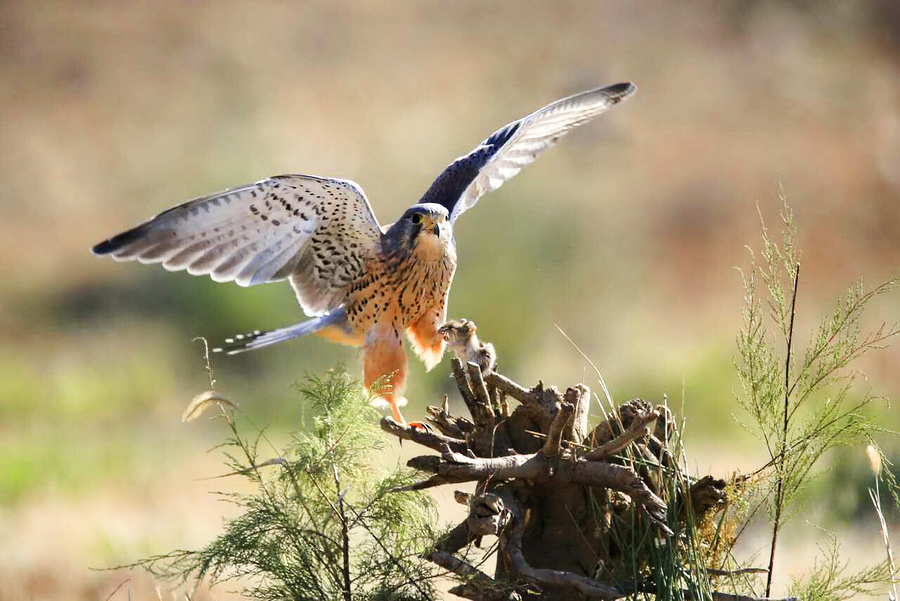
x,y
459,334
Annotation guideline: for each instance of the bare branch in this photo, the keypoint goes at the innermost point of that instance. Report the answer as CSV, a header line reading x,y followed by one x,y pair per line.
x,y
478,585
424,484
481,394
707,493
510,388
619,478
432,440
737,572
462,383
618,421
580,397
717,596
557,427
456,539
450,562
449,425
584,585
460,468
639,428
498,401
455,467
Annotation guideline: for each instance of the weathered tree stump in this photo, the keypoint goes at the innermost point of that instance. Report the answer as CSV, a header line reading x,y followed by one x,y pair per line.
x,y
547,487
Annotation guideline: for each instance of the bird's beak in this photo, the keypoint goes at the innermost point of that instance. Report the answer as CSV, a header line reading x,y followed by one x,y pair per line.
x,y
431,225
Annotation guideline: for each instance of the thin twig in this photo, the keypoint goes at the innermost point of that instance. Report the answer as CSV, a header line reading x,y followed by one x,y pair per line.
x,y
779,486
837,328
116,590
801,444
736,572
460,567
209,371
289,468
719,596
390,555
875,495
324,495
345,532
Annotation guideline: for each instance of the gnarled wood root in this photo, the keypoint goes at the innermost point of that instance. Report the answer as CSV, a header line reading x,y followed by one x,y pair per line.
x,y
540,476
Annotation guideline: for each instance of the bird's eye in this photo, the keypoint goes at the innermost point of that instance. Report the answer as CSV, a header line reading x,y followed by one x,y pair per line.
x,y
416,218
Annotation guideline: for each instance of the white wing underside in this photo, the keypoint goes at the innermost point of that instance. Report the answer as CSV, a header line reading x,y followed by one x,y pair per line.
x,y
318,232
537,132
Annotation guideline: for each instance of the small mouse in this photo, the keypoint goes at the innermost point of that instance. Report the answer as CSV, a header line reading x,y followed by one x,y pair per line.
x,y
459,334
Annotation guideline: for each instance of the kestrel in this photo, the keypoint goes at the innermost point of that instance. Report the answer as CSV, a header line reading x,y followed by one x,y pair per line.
x,y
362,284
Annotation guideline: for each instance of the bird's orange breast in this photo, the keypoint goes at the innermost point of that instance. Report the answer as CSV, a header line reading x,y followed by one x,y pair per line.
x,y
402,290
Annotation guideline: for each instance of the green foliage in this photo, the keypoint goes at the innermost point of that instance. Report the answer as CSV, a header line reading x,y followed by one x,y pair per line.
x,y
675,566
800,409
320,524
801,404
828,580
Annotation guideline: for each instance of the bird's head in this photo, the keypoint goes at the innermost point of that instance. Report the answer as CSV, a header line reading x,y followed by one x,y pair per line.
x,y
424,226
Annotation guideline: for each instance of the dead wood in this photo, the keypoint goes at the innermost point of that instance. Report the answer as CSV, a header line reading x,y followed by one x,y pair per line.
x,y
432,440
449,425
550,489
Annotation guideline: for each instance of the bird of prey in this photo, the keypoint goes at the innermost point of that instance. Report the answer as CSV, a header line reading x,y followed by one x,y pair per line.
x,y
361,283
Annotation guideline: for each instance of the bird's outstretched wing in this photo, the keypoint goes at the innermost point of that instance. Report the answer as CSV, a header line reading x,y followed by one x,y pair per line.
x,y
317,231
513,146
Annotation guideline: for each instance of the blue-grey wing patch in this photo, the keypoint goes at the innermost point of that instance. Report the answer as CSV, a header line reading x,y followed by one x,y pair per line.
x,y
318,232
513,146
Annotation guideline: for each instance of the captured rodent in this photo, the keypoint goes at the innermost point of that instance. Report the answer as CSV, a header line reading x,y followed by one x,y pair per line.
x,y
459,334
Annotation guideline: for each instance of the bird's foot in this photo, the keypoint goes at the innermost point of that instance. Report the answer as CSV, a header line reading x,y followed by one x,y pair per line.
x,y
420,426
395,403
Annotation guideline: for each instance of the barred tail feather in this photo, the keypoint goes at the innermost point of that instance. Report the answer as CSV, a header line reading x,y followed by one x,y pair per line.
x,y
258,339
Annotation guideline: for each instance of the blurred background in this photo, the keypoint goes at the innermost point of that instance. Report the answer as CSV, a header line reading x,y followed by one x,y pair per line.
x,y
626,235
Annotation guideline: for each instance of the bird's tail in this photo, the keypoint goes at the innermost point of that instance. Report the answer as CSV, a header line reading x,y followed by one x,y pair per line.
x,y
258,339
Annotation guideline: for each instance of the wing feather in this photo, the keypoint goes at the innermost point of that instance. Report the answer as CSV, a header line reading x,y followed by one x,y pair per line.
x,y
503,154
318,232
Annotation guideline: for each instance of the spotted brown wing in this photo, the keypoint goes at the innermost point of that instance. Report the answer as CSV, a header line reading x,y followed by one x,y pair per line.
x,y
319,232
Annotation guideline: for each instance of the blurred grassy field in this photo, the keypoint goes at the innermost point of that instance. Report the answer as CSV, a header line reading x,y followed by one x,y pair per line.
x,y
625,236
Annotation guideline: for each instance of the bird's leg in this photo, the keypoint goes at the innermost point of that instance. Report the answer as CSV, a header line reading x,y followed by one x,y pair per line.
x,y
385,363
397,415
395,407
